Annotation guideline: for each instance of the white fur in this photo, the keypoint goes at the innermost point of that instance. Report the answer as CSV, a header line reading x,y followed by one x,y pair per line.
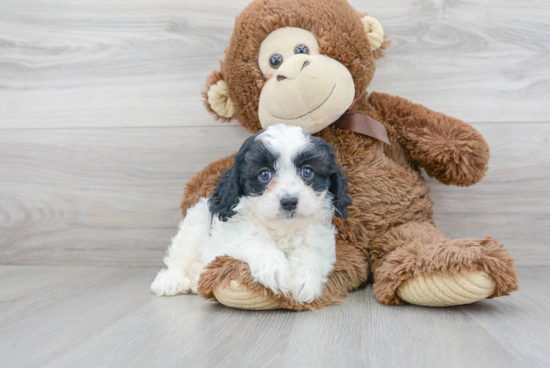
x,y
288,254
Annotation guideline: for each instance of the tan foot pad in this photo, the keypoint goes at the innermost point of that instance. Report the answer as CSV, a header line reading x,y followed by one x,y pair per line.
x,y
437,290
236,295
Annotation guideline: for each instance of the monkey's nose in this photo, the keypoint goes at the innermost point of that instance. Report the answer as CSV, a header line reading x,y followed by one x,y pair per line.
x,y
281,77
289,203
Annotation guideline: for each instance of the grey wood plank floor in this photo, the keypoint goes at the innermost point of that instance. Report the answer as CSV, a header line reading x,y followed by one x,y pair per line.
x,y
105,316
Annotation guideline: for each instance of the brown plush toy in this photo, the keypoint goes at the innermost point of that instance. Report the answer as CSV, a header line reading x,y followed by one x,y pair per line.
x,y
309,63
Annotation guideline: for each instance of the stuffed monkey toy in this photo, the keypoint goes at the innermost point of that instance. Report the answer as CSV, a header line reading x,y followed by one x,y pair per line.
x,y
309,63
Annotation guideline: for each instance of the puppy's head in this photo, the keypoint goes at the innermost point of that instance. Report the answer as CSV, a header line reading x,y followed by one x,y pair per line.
x,y
283,174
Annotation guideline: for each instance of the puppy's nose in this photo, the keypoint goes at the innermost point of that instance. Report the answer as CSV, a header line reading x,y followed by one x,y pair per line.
x,y
289,203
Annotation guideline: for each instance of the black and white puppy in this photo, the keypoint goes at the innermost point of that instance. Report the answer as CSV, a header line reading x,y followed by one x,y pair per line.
x,y
272,210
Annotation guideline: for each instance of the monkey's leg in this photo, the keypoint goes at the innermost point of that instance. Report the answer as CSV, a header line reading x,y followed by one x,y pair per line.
x,y
416,263
228,281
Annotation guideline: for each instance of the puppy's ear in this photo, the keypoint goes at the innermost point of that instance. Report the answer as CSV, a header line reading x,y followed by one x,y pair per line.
x,y
226,196
229,189
339,190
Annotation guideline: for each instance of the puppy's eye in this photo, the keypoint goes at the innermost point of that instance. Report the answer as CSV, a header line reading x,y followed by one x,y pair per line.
x,y
275,61
307,173
265,176
301,49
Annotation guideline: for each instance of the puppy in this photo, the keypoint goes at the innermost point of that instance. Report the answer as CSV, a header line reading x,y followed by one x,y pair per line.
x,y
272,210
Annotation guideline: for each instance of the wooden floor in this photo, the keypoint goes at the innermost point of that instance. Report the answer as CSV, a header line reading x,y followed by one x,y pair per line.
x,y
100,317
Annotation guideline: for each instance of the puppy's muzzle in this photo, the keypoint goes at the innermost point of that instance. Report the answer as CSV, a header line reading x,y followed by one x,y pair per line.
x,y
289,203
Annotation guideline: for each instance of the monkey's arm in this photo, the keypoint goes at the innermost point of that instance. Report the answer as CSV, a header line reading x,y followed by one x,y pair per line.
x,y
204,182
448,149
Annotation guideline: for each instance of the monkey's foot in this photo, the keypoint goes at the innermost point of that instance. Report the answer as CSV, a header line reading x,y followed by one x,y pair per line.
x,y
437,290
236,295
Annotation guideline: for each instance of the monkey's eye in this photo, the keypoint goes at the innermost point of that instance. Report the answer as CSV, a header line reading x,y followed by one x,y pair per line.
x,y
265,176
301,49
307,172
275,61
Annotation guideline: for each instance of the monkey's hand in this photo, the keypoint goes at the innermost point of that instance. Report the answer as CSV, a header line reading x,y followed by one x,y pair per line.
x,y
448,149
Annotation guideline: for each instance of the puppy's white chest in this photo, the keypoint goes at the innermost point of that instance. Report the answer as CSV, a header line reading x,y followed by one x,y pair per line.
x,y
287,245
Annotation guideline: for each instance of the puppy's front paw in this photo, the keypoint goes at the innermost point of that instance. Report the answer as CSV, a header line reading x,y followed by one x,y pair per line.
x,y
306,285
272,271
172,281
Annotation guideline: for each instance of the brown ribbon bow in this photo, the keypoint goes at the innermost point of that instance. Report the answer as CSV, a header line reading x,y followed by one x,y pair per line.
x,y
363,124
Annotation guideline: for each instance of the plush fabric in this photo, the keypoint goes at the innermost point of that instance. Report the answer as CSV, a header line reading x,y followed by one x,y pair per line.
x,y
390,233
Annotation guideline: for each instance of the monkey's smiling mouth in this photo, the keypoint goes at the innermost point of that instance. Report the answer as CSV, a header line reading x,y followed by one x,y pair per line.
x,y
309,112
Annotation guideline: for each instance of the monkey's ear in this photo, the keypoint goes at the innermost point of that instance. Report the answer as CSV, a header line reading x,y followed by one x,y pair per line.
x,y
216,97
375,33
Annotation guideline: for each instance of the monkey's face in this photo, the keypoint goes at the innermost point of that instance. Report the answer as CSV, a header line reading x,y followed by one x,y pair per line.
x,y
295,62
303,87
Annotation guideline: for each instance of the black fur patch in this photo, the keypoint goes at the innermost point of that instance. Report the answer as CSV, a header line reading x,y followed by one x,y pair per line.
x,y
320,157
254,157
242,179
